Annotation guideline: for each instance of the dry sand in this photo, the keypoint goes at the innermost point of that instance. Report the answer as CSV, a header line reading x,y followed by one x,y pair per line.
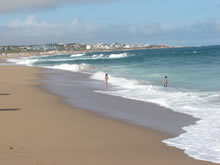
x,y
38,129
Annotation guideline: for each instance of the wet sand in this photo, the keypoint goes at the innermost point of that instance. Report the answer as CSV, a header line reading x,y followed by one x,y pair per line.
x,y
37,128
77,89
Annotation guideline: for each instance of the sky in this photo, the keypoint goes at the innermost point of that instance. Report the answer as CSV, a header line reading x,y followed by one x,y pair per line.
x,y
170,22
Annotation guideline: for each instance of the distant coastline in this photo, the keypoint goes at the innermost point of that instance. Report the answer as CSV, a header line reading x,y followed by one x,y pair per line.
x,y
6,55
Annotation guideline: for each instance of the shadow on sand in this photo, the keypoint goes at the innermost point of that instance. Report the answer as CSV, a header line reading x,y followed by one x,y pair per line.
x,y
4,94
10,109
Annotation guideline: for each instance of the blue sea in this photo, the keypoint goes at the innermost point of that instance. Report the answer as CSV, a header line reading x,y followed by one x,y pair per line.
x,y
193,86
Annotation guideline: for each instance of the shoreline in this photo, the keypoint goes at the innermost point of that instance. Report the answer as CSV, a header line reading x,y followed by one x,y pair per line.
x,y
140,113
35,131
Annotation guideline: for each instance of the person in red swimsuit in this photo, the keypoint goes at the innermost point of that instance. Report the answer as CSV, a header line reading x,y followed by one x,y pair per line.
x,y
165,81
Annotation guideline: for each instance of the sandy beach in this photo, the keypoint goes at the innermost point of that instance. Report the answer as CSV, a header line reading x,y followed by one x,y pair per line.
x,y
37,128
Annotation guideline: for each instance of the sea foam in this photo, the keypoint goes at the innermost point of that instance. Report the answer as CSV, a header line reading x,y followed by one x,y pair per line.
x,y
23,61
121,55
202,105
73,67
77,55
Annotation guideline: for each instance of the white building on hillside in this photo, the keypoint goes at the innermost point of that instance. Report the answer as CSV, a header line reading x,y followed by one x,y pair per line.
x,y
127,46
88,47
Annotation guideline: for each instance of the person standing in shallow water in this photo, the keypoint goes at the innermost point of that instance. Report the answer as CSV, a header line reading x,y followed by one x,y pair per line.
x,y
106,80
165,81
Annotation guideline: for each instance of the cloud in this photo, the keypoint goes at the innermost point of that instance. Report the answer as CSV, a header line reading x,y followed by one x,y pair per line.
x,y
15,5
32,31
29,22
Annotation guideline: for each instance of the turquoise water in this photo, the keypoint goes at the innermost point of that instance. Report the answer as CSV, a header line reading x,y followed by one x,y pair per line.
x,y
193,86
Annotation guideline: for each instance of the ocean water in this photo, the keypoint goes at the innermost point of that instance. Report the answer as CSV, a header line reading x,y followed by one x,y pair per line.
x,y
193,86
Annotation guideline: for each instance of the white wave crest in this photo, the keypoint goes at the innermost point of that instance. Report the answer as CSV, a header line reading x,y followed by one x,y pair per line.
x,y
97,56
77,55
73,67
23,61
121,55
122,82
195,52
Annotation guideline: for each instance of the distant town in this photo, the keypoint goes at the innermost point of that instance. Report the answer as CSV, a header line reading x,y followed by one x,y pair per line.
x,y
74,47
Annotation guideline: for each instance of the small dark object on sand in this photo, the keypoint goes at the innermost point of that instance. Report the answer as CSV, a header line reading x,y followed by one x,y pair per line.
x,y
11,148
